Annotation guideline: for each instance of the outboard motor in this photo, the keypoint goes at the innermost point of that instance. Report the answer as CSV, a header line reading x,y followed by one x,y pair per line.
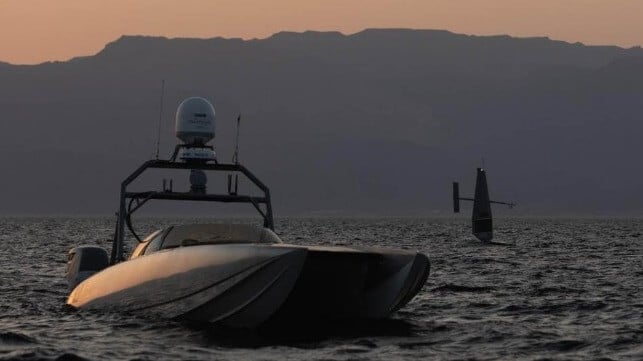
x,y
84,261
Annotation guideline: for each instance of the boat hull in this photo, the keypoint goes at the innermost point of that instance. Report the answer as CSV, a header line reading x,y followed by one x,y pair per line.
x,y
247,285
342,283
190,282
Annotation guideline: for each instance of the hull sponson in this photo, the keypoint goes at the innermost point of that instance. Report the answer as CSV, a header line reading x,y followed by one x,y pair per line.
x,y
255,298
352,283
173,282
416,279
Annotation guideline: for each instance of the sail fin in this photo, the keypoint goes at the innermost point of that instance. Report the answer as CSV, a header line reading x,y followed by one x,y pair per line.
x,y
481,218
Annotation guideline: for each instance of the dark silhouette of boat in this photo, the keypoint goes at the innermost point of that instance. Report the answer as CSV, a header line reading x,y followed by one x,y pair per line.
x,y
481,218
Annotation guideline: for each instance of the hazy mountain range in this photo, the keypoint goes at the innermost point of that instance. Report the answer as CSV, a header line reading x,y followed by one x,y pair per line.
x,y
375,123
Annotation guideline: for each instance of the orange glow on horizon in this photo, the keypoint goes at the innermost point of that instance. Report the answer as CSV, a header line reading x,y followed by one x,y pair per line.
x,y
33,31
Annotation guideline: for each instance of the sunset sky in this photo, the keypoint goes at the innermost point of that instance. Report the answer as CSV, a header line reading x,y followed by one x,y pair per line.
x,y
33,31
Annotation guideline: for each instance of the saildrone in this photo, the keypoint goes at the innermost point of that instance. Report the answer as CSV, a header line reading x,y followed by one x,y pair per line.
x,y
481,219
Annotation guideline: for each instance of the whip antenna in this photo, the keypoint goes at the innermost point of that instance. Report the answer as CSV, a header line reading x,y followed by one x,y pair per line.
x,y
235,157
158,133
233,186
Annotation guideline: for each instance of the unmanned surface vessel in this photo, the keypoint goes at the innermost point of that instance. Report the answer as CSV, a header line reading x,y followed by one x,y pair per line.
x,y
481,219
236,275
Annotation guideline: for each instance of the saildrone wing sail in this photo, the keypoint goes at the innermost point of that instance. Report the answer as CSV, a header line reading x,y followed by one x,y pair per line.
x,y
481,218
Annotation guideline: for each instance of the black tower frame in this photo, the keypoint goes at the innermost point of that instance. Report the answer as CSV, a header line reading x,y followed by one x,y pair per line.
x,y
138,199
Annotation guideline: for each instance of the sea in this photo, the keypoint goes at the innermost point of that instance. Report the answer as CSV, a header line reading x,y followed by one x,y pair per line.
x,y
556,289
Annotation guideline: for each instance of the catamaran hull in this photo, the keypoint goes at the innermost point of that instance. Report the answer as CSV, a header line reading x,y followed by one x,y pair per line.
x,y
345,284
202,283
247,285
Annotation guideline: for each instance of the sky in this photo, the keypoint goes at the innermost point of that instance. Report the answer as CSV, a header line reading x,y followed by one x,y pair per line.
x,y
34,31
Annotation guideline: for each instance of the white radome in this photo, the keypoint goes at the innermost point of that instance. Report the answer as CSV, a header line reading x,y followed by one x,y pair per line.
x,y
195,121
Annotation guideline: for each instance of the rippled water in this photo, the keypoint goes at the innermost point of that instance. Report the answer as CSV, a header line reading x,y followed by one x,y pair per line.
x,y
562,289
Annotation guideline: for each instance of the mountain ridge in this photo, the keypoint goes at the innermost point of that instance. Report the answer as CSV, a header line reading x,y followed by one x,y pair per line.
x,y
334,35
377,122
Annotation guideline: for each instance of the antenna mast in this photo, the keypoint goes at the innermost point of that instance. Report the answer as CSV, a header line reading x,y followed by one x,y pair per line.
x,y
235,157
158,133
233,187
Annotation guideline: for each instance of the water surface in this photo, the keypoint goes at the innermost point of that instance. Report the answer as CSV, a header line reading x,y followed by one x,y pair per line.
x,y
561,289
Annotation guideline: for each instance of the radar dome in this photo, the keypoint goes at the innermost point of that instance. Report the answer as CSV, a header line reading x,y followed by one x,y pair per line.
x,y
195,121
